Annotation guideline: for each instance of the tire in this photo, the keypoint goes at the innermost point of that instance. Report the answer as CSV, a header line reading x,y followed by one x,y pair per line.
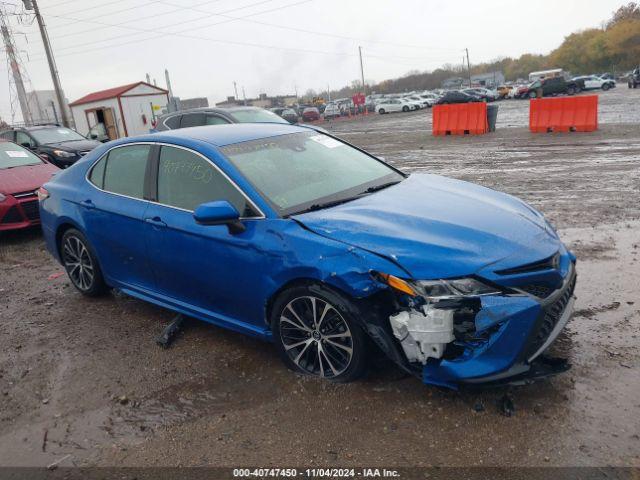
x,y
81,264
571,91
606,87
381,111
405,109
316,334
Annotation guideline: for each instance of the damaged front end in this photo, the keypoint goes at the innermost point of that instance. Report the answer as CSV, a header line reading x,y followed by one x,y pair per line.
x,y
471,331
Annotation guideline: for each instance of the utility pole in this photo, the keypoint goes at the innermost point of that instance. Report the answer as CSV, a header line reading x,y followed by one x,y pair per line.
x,y
235,89
468,66
29,4
15,70
328,92
244,96
364,89
173,104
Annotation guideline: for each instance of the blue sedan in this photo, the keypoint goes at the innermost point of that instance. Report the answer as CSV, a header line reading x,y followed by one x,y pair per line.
x,y
298,238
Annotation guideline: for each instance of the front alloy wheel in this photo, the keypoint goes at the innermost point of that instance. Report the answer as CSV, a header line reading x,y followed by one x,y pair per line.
x,y
316,336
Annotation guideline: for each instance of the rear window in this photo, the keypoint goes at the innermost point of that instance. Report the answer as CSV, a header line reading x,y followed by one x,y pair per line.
x,y
192,120
125,170
173,121
12,155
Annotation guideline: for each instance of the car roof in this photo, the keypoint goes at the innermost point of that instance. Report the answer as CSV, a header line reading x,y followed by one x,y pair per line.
x,y
213,110
222,135
30,128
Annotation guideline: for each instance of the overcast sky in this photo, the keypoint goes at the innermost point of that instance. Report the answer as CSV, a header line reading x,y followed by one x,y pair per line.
x,y
272,46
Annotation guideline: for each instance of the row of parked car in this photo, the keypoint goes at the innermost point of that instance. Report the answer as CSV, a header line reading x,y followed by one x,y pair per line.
x,y
30,155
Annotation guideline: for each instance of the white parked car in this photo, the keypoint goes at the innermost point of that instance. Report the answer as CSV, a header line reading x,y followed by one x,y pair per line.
x,y
415,104
423,102
592,82
429,99
388,105
332,110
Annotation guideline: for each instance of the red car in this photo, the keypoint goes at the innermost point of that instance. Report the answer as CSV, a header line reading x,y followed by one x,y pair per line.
x,y
310,114
22,173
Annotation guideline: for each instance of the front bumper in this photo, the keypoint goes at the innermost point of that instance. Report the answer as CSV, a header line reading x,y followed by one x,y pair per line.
x,y
521,328
19,212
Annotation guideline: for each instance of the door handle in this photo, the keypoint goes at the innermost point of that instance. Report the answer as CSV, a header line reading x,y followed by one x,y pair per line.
x,y
155,221
88,204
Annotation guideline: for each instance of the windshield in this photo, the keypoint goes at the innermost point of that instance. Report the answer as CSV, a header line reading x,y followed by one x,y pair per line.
x,y
12,155
308,171
257,116
55,135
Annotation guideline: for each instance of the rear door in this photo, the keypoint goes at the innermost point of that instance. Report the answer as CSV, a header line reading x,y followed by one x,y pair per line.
x,y
113,214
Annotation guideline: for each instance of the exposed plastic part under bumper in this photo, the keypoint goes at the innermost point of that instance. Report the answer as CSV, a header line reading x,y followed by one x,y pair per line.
x,y
541,368
523,328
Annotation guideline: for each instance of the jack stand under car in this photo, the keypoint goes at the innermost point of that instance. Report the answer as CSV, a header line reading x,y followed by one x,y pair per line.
x,y
169,332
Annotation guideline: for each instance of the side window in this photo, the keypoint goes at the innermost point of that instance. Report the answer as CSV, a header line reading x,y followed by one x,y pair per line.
x,y
215,120
8,135
173,122
186,180
97,173
192,120
24,140
125,170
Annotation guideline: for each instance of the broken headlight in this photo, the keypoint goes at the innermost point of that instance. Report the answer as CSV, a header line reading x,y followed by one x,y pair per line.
x,y
439,289
463,287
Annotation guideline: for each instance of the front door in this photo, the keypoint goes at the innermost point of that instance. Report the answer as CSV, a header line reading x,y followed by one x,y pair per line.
x,y
205,268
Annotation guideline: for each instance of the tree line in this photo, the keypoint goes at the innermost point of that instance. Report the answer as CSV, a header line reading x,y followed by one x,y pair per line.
x,y
613,47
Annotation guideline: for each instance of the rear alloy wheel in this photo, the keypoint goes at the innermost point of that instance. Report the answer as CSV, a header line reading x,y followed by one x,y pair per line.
x,y
81,264
316,336
606,87
381,111
405,109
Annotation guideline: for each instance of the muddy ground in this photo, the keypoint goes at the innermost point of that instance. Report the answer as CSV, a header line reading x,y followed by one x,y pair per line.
x,y
82,379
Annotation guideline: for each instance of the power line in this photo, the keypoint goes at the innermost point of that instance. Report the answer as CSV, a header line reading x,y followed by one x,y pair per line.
x,y
57,27
312,32
180,33
135,20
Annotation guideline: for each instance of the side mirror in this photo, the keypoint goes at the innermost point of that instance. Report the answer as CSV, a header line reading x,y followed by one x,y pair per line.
x,y
93,136
219,212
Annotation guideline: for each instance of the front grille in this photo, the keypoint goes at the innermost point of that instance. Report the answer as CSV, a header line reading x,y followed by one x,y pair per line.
x,y
537,290
12,216
550,317
30,193
31,210
544,264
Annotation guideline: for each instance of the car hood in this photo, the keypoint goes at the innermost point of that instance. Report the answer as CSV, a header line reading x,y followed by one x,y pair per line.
x,y
436,227
25,179
74,146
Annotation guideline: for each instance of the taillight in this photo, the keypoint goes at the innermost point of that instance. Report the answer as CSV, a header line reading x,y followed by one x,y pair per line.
x,y
42,193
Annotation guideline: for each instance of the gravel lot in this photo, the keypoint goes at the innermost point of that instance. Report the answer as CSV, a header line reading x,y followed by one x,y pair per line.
x,y
84,378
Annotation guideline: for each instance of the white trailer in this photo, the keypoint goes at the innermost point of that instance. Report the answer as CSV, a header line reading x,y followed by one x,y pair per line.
x,y
556,72
118,112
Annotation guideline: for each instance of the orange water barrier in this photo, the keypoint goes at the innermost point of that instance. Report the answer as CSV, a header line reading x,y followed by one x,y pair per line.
x,y
564,114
